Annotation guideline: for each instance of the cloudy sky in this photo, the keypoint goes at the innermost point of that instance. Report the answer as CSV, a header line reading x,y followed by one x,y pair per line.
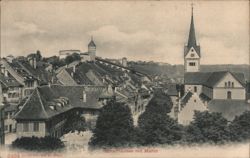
x,y
139,30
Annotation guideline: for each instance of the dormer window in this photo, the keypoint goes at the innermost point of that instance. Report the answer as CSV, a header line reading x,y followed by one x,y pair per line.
x,y
52,107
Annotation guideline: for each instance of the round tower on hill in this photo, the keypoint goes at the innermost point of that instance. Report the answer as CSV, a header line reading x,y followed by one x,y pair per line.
x,y
92,49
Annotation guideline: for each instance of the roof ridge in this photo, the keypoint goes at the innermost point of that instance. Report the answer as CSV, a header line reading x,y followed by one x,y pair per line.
x,y
24,104
39,97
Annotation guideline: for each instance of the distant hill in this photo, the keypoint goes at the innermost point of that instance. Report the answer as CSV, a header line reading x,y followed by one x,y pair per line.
x,y
176,71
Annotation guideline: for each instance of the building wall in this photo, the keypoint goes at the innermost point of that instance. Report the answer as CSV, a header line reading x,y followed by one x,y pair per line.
x,y
192,87
194,68
21,133
236,93
186,114
9,123
223,87
208,91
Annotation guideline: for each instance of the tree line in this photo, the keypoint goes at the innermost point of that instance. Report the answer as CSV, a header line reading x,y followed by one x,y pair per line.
x,y
114,126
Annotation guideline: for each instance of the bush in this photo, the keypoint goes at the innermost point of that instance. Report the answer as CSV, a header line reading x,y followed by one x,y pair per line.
x,y
240,127
35,143
114,126
208,128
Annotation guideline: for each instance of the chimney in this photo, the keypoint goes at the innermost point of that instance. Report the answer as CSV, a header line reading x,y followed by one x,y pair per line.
x,y
30,61
34,63
6,73
74,68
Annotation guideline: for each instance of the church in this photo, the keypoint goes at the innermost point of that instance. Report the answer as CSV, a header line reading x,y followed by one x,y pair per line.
x,y
218,91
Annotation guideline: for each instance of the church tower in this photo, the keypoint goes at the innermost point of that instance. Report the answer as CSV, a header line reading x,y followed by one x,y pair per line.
x,y
92,49
192,51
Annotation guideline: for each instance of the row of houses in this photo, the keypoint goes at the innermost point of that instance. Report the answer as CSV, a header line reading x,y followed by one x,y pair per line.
x,y
37,98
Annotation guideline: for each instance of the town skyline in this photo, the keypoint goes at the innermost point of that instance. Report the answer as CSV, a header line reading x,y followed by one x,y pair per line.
x,y
131,33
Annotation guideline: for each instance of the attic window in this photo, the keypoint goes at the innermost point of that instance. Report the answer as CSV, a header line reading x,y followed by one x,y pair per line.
x,y
52,107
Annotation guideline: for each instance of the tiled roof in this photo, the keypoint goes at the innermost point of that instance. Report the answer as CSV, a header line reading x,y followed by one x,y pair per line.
x,y
198,78
228,108
40,72
210,79
186,97
10,108
38,105
171,90
9,81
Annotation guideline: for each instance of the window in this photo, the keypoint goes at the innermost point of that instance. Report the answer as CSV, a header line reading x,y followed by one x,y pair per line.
x,y
229,84
232,84
229,95
225,84
192,55
36,126
195,89
25,127
192,64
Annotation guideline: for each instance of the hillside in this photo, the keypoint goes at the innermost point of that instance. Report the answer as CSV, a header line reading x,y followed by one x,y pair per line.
x,y
175,71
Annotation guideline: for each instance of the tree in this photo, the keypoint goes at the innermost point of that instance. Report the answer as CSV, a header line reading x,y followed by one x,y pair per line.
x,y
240,127
156,127
208,127
73,57
161,99
114,126
75,122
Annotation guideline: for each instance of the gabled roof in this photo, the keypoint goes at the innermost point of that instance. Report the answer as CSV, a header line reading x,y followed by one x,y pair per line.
x,y
210,79
37,106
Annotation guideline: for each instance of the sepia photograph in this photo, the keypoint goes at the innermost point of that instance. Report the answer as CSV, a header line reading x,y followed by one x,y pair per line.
x,y
129,78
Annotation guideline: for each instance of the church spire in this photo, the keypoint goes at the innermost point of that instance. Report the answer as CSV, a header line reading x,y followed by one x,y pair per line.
x,y
192,38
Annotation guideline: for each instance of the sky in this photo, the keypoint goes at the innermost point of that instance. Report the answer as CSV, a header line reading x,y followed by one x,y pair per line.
x,y
138,30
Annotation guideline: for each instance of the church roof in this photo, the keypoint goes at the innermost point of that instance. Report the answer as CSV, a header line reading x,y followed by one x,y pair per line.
x,y
210,79
192,38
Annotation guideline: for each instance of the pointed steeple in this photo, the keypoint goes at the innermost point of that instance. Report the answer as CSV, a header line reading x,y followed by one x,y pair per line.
x,y
91,43
192,38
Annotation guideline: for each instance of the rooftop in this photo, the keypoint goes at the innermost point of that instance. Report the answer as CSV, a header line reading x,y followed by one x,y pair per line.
x,y
48,101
